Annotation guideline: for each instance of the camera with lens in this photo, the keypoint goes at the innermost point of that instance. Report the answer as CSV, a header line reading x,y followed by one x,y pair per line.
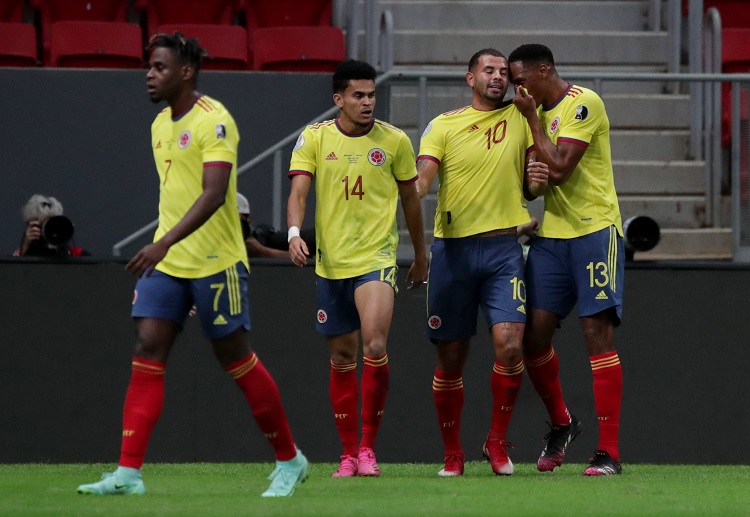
x,y
57,231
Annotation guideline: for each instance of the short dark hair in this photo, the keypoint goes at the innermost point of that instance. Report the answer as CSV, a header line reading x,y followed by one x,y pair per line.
x,y
533,54
351,70
187,50
484,52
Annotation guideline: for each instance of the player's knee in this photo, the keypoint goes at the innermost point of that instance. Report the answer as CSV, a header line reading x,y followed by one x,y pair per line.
x,y
374,348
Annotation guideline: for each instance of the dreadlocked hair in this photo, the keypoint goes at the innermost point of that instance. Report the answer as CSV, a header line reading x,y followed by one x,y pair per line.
x,y
187,50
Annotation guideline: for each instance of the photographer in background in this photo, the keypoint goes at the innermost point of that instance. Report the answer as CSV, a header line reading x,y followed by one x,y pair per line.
x,y
48,232
263,240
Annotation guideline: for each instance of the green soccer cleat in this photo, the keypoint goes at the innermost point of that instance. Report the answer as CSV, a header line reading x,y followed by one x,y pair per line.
x,y
287,476
123,481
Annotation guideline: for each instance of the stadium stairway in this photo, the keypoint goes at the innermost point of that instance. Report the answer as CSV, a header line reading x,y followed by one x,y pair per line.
x,y
654,173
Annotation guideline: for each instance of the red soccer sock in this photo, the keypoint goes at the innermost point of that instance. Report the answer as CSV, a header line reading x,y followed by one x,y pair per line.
x,y
265,401
607,398
448,392
143,405
375,377
344,391
544,371
505,383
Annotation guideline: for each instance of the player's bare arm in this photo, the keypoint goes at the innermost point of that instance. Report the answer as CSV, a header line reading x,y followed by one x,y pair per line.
x,y
295,213
413,214
215,184
427,171
562,158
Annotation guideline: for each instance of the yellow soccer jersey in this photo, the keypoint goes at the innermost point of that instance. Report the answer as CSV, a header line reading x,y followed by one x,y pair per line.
x,y
481,157
587,202
205,135
356,194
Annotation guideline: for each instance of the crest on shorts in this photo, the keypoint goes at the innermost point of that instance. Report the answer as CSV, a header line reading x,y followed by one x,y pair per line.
x,y
184,139
376,156
135,296
322,316
582,112
434,322
554,126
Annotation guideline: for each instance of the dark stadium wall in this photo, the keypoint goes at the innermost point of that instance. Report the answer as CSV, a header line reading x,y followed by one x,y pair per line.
x,y
68,339
83,136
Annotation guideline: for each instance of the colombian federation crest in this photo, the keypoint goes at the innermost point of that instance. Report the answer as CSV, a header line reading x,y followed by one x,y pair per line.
x,y
434,322
322,316
184,140
376,156
554,126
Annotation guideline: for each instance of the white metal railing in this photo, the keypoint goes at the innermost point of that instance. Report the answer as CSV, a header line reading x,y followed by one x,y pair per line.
x,y
711,120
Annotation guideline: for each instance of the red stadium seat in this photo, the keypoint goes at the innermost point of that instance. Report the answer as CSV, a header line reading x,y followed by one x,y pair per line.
x,y
96,45
734,13
226,44
53,11
735,58
209,12
286,13
17,44
11,11
300,49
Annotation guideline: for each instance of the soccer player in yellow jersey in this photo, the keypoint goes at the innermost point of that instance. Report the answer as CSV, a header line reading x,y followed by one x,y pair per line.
x,y
197,257
578,257
479,154
361,166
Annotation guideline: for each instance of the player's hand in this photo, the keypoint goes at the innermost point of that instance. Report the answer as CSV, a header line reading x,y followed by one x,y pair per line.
x,y
523,101
538,177
298,251
146,259
417,272
528,229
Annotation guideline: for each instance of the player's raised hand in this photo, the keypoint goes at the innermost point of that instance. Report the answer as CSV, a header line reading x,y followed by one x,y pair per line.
x,y
298,251
146,259
523,101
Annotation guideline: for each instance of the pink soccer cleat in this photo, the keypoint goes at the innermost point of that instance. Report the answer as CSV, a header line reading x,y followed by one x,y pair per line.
x,y
347,467
366,463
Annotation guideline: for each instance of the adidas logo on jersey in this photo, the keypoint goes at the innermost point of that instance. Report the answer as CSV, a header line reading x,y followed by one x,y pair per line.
x,y
602,296
220,320
521,309
332,156
473,128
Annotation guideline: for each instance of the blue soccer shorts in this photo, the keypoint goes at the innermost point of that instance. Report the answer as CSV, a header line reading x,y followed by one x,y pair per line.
x,y
587,270
470,272
220,300
337,312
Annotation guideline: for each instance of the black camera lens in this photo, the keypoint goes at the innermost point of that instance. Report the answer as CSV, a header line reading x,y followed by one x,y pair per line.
x,y
57,230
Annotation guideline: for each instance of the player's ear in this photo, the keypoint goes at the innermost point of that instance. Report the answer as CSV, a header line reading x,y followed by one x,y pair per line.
x,y
470,79
188,72
338,99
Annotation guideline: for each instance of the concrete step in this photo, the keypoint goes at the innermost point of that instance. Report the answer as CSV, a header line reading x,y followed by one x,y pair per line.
x,y
650,145
446,47
691,244
519,15
659,177
685,212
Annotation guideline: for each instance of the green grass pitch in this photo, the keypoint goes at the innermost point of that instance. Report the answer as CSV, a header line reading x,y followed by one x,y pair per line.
x,y
211,489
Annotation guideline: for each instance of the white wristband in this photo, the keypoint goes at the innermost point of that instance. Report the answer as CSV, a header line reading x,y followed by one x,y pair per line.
x,y
293,232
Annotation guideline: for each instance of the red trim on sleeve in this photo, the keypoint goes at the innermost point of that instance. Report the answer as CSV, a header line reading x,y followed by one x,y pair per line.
x,y
300,173
530,149
217,164
575,141
428,157
409,181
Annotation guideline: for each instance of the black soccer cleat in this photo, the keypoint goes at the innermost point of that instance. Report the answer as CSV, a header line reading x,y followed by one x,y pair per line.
x,y
602,464
558,439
